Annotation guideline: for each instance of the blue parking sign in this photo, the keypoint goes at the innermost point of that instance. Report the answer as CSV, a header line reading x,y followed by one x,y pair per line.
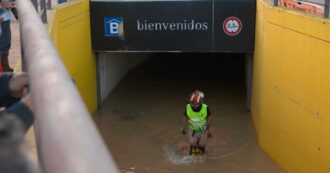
x,y
113,26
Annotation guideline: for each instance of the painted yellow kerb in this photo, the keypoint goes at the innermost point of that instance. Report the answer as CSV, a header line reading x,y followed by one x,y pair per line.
x,y
291,88
70,32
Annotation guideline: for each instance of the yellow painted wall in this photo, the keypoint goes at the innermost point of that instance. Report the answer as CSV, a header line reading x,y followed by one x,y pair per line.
x,y
70,32
291,88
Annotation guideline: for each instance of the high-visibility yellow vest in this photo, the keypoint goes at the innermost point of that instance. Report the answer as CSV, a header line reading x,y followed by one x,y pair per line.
x,y
197,120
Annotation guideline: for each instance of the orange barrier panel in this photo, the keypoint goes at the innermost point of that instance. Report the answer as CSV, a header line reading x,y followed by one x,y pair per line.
x,y
303,6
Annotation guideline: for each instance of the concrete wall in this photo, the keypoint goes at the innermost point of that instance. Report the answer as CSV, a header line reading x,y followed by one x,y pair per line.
x,y
291,88
69,28
113,67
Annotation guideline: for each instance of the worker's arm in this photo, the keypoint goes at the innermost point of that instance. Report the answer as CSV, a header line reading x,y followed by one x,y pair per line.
x,y
184,121
209,121
184,127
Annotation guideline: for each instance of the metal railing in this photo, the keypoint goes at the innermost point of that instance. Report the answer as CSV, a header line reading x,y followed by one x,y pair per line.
x,y
67,139
43,5
316,7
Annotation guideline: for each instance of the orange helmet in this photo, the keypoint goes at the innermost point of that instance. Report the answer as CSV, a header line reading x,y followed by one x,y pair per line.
x,y
196,98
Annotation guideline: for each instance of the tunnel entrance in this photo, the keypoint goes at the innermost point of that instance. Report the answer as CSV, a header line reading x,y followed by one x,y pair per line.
x,y
194,70
204,71
141,118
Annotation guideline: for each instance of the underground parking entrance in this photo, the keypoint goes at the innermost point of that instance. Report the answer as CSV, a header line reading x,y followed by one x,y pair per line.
x,y
143,98
149,61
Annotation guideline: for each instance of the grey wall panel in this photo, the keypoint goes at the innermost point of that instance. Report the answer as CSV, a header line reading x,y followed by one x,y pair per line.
x,y
113,67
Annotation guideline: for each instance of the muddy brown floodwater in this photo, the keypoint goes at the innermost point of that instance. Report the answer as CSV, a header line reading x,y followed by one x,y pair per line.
x,y
140,120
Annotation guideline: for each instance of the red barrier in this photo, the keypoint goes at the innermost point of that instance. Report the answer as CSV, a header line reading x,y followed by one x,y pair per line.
x,y
303,6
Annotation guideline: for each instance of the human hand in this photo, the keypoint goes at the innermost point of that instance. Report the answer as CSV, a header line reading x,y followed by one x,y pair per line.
x,y
17,84
183,130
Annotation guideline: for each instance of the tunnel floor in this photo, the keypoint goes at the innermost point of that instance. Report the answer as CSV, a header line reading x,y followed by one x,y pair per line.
x,y
140,120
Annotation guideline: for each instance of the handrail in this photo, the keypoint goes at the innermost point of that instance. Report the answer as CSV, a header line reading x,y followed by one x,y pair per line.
x,y
43,5
43,9
67,139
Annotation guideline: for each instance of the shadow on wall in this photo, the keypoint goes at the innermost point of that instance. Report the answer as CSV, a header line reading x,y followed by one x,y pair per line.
x,y
112,67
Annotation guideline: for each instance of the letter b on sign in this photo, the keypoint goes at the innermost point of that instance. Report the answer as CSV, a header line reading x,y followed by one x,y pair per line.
x,y
114,26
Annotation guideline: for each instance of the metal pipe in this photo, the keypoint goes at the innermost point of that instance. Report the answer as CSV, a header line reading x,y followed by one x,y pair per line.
x,y
68,141
49,4
43,9
326,8
35,4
